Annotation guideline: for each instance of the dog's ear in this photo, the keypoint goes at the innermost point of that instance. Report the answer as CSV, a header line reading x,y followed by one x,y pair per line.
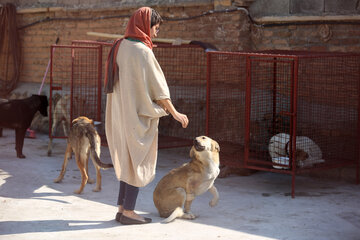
x,y
192,153
215,146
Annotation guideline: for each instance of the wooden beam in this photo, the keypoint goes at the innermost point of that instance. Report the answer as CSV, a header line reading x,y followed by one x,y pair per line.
x,y
39,10
243,3
177,41
299,19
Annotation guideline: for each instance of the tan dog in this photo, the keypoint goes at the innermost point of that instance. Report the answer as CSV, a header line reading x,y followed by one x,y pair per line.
x,y
181,185
84,140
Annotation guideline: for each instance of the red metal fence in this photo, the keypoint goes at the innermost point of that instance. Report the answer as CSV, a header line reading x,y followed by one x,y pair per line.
x,y
278,111
104,50
283,111
226,90
184,67
75,79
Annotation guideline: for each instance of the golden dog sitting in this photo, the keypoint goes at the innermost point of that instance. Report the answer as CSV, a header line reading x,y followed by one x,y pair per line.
x,y
181,185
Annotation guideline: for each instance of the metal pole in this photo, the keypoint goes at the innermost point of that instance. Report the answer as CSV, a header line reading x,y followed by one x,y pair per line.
x,y
293,121
247,109
208,79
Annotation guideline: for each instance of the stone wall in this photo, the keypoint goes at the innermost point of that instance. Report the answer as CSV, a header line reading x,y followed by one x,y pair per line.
x,y
315,25
314,37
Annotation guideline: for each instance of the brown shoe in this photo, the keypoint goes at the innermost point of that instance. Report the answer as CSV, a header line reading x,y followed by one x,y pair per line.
x,y
130,221
118,216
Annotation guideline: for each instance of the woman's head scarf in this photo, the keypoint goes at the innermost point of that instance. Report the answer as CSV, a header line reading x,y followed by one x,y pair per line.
x,y
137,28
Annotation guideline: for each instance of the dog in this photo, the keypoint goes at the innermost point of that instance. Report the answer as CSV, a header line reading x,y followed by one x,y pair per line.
x,y
84,141
60,115
181,185
18,114
308,153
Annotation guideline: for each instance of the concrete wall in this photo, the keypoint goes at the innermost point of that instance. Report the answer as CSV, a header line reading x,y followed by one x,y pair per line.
x,y
261,8
315,25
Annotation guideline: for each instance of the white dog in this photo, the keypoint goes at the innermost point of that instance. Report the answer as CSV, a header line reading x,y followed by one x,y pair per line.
x,y
60,115
307,152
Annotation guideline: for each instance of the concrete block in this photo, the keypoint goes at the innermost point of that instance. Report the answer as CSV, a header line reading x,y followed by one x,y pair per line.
x,y
261,8
307,7
342,6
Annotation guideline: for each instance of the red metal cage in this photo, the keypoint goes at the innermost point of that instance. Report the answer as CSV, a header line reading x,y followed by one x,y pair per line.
x,y
75,86
103,54
285,111
279,111
184,67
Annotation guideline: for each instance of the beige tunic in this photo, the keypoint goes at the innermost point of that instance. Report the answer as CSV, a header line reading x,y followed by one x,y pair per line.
x,y
132,116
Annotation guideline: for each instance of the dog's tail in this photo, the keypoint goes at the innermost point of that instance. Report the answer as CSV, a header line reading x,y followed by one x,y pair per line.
x,y
178,212
95,150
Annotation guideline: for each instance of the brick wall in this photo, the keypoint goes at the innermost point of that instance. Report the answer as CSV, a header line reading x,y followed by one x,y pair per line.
x,y
227,31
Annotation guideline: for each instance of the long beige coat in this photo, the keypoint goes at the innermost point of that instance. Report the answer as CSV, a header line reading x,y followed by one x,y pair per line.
x,y
132,116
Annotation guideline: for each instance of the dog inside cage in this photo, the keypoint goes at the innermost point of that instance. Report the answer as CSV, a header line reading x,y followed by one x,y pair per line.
x,y
307,152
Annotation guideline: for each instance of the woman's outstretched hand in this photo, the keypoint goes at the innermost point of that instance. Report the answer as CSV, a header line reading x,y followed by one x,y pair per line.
x,y
182,118
169,107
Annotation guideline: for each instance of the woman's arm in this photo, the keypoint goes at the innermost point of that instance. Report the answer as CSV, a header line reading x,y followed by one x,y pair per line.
x,y
167,105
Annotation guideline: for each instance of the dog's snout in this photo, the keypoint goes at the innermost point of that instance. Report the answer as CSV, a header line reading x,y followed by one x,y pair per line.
x,y
198,146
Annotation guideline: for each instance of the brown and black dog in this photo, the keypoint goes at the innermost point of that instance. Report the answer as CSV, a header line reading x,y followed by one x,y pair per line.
x,y
18,114
84,141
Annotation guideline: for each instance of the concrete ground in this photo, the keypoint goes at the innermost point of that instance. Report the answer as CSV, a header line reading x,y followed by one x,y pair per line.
x,y
253,207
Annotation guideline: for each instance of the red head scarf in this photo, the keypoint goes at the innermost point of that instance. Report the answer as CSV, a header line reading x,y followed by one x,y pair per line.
x,y
138,26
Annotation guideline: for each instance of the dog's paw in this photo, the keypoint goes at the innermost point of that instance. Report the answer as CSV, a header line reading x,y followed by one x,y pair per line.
x,y
189,216
21,156
78,191
57,180
90,181
96,189
213,202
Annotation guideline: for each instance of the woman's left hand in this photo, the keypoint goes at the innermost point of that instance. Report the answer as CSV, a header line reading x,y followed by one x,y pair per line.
x,y
182,118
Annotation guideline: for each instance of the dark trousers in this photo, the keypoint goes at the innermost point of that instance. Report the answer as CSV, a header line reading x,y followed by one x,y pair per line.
x,y
127,196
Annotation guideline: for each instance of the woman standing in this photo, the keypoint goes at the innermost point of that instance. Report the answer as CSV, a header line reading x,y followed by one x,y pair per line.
x,y
138,95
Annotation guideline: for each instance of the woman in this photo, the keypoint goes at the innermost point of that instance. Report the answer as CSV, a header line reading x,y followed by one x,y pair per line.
x,y
138,97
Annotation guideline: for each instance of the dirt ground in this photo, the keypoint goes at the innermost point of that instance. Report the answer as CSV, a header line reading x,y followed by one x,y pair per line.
x,y
253,207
